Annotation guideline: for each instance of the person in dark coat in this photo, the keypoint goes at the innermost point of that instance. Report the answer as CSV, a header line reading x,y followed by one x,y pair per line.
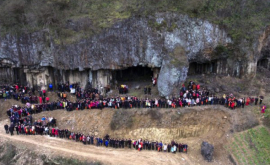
x,y
256,100
6,128
129,143
17,129
261,99
11,129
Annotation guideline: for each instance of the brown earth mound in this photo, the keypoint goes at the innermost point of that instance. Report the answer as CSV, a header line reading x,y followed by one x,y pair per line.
x,y
152,124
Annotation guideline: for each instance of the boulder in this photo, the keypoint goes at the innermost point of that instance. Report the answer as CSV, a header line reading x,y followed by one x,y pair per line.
x,y
173,71
217,90
207,151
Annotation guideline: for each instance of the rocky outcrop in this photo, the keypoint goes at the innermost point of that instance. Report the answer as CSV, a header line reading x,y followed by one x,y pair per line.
x,y
207,151
167,41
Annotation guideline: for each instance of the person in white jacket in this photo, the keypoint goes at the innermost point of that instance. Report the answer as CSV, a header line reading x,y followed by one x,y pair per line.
x,y
165,147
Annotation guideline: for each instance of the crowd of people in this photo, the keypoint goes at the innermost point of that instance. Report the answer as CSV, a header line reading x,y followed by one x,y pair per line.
x,y
44,128
21,119
25,125
189,96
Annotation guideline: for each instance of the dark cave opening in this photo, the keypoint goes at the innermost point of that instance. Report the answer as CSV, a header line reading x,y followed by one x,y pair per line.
x,y
263,63
138,73
202,68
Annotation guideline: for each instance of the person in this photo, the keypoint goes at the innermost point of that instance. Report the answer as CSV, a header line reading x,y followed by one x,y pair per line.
x,y
261,99
154,81
6,128
165,147
243,102
160,145
145,90
263,109
173,149
185,147
17,129
84,139
106,143
139,146
256,100
11,129
169,147
50,87
44,92
47,99
129,143
149,90
33,90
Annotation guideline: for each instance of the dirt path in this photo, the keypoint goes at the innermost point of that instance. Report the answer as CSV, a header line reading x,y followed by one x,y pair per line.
x,y
70,149
66,148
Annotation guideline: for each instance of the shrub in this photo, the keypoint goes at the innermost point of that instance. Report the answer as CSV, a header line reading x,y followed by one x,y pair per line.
x,y
155,114
122,118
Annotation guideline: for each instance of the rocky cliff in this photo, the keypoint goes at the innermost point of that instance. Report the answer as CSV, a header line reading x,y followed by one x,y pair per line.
x,y
167,41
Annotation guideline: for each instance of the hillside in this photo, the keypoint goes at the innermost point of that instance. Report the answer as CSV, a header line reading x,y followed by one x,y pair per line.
x,y
103,45
242,18
222,127
91,42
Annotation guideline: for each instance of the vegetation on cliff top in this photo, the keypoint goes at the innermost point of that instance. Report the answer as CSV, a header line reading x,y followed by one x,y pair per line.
x,y
241,18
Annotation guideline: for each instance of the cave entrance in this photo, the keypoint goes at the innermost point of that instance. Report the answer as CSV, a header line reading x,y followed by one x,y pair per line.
x,y
202,68
19,76
263,63
138,73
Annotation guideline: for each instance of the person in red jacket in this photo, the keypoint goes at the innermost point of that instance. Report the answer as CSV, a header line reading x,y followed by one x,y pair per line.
x,y
17,87
47,99
40,100
263,109
198,87
56,132
44,92
232,104
53,131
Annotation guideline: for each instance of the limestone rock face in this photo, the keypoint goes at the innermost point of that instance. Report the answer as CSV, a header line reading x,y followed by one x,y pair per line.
x,y
128,43
173,71
166,41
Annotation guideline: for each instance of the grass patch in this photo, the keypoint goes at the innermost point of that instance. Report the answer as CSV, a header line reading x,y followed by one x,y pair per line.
x,y
242,19
266,120
251,147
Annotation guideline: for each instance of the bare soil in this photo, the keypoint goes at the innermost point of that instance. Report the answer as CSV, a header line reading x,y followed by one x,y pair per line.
x,y
194,125
215,124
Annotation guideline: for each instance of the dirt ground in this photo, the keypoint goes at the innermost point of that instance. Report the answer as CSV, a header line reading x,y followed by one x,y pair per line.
x,y
192,125
207,123
56,147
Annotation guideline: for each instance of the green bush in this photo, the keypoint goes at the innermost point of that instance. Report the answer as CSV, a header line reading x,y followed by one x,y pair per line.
x,y
242,18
